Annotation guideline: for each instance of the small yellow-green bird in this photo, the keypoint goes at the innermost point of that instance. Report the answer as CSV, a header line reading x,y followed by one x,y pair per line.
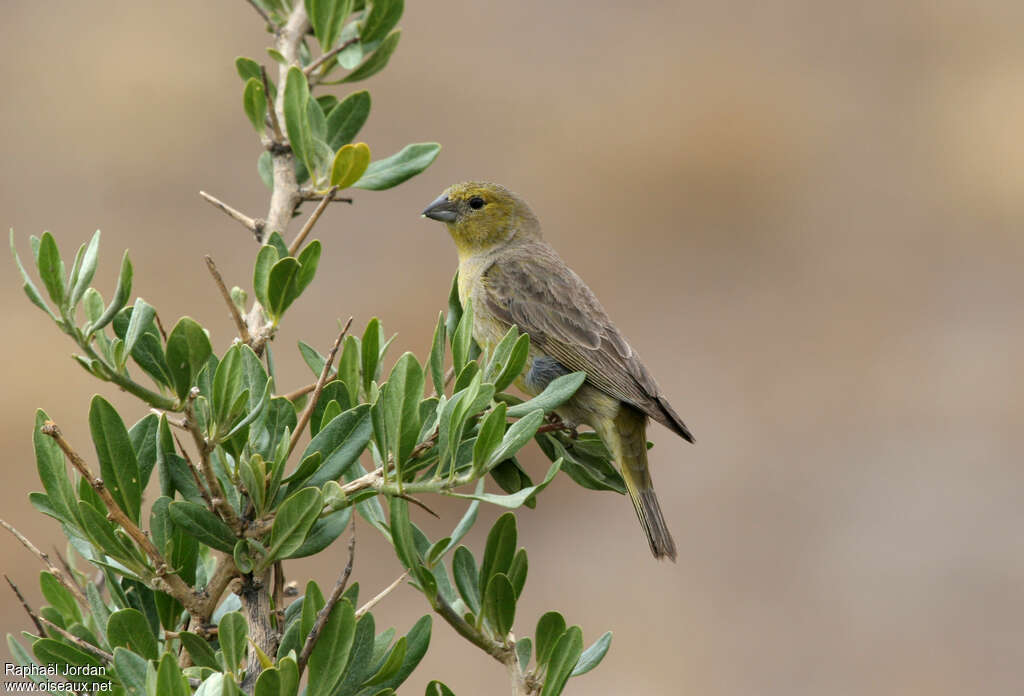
x,y
512,277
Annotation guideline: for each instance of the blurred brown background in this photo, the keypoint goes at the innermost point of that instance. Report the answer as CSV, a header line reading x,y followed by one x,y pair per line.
x,y
805,215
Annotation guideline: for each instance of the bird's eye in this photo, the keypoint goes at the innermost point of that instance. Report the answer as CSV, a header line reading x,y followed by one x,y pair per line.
x,y
476,202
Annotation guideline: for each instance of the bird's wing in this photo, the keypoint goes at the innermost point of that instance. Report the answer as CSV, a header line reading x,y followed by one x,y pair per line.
x,y
534,289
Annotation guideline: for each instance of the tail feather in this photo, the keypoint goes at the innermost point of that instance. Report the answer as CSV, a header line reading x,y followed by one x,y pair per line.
x,y
627,440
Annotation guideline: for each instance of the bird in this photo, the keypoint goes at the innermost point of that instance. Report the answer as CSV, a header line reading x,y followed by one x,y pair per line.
x,y
512,276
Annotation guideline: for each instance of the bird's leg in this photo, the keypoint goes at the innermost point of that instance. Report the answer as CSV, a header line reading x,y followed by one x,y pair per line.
x,y
555,423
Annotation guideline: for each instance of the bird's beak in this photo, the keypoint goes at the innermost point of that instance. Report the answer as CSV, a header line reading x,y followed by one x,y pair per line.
x,y
441,209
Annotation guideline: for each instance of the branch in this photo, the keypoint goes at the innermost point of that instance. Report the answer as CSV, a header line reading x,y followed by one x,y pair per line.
x,y
310,195
381,595
263,14
225,572
318,389
204,446
243,330
251,224
170,581
24,603
78,642
302,391
325,613
55,571
304,232
308,70
278,139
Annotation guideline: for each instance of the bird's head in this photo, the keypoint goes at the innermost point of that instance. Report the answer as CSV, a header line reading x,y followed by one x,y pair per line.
x,y
482,216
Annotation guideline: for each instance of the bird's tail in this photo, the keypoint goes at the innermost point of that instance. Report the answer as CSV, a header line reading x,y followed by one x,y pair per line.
x,y
626,437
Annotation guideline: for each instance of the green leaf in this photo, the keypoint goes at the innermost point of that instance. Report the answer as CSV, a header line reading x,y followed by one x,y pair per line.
x,y
53,472
518,434
399,167
294,519
296,115
309,260
500,549
128,628
564,657
232,632
517,571
51,268
523,648
312,603
500,604
346,119
169,679
466,578
265,169
101,533
199,650
131,670
28,286
227,384
550,628
436,688
437,355
349,164
391,665
513,500
333,393
281,286
203,525
417,641
141,318
340,442
323,533
593,655
462,340
121,295
254,101
492,429
401,533
401,404
327,18
118,465
371,352
382,18
59,597
188,349
514,366
558,391
83,273
330,656
377,60
265,260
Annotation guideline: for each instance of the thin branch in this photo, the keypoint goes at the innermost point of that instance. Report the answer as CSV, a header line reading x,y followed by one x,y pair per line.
x,y
279,138
168,580
205,447
418,503
78,642
262,13
304,232
192,470
325,613
308,70
308,195
374,601
24,603
55,571
324,374
302,391
68,569
223,574
251,224
279,584
243,330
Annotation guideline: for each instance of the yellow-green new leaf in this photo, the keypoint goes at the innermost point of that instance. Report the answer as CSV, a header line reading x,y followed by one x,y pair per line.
x,y
350,164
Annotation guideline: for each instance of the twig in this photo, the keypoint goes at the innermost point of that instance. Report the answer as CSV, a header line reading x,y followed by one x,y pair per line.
x,y
86,646
68,569
418,503
302,391
308,195
308,70
55,571
251,224
204,446
424,446
261,13
192,470
24,603
469,632
170,581
383,593
449,376
243,330
325,613
279,583
271,112
304,232
223,574
324,374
